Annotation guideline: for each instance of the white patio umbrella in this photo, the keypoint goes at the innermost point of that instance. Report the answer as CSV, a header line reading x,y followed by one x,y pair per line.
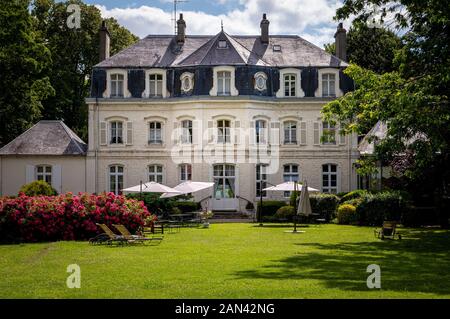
x,y
187,188
151,187
290,187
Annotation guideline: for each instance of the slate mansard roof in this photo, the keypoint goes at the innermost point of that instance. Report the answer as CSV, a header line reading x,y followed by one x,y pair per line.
x,y
162,51
46,138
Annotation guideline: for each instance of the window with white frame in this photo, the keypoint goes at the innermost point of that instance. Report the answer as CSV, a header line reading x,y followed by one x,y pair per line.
x,y
155,133
261,180
116,179
260,131
223,131
328,133
290,132
290,82
290,174
329,178
116,132
328,85
186,132
155,173
185,172
117,83
155,85
223,83
43,173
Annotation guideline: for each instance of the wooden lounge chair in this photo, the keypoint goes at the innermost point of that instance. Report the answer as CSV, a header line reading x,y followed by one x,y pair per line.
x,y
389,230
135,238
111,237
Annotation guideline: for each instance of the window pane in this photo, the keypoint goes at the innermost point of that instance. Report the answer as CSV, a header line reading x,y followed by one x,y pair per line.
x,y
227,86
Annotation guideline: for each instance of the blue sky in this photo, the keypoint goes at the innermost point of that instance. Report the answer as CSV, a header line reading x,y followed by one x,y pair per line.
x,y
311,19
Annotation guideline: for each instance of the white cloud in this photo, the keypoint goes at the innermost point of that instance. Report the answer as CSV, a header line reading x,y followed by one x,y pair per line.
x,y
311,19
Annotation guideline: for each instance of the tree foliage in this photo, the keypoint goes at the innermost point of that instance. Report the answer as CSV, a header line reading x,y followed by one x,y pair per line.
x,y
412,99
23,61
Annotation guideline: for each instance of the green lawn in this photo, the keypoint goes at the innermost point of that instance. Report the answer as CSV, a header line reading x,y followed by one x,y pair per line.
x,y
236,261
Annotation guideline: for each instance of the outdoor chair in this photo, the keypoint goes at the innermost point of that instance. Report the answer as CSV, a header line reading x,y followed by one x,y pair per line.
x,y
108,236
388,230
135,238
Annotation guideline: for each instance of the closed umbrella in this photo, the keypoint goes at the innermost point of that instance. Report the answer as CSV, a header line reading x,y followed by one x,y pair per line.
x,y
304,205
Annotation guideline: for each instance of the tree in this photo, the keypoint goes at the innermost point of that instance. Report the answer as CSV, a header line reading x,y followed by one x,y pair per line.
x,y
74,53
370,48
23,60
413,99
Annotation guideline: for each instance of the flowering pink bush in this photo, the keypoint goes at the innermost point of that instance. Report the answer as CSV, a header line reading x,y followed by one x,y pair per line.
x,y
67,216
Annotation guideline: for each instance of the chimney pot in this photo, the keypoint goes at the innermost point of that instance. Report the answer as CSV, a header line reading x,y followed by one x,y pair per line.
x,y
341,42
181,29
264,29
105,40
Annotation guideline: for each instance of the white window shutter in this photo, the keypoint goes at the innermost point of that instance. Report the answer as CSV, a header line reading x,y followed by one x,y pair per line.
x,y
57,178
237,130
303,133
210,132
103,133
196,138
252,133
176,134
342,137
29,174
275,133
129,133
316,133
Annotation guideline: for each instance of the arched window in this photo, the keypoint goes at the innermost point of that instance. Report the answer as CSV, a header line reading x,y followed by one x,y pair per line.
x,y
186,132
290,132
155,173
261,131
116,132
155,133
223,131
116,179
329,178
290,174
185,172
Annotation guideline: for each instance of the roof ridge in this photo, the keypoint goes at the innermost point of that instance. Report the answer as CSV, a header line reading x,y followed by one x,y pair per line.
x,y
72,135
250,51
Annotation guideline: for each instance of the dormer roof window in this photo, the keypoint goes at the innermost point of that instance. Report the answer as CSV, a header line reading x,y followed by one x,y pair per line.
x,y
276,48
223,44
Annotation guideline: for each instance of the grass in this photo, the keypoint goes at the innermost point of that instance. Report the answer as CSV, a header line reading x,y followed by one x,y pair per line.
x,y
236,261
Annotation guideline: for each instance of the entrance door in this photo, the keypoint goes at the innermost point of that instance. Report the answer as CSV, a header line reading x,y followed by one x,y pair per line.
x,y
224,194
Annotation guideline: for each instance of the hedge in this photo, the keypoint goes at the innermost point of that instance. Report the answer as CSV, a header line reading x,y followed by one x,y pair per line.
x,y
270,207
353,194
188,206
324,205
285,212
67,216
346,214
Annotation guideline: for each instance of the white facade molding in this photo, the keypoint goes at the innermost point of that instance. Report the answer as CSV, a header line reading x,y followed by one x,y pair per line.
x,y
109,72
298,81
319,90
163,72
233,90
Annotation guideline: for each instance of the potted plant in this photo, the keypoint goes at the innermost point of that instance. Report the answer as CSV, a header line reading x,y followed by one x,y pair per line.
x,y
204,216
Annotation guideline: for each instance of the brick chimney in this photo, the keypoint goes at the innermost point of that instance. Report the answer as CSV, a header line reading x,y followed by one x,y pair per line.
x,y
264,29
341,42
104,42
181,30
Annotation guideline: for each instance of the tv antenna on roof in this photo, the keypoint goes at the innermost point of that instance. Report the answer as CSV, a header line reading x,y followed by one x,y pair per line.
x,y
174,18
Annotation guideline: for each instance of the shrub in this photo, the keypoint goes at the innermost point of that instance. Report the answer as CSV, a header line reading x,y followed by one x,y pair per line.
x,y
187,206
270,207
38,188
249,206
353,194
67,217
285,212
346,214
153,202
325,205
293,198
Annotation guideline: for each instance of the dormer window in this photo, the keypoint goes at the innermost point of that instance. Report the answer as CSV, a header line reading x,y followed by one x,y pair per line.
x,y
277,48
328,85
290,81
223,83
223,44
156,81
117,81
